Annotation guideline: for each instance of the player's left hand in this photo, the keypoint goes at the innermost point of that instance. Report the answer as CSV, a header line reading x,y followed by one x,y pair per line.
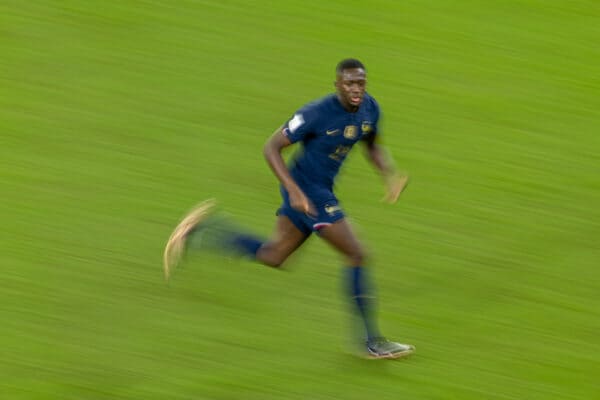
x,y
395,184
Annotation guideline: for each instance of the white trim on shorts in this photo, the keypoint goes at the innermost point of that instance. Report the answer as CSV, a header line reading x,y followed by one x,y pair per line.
x,y
320,225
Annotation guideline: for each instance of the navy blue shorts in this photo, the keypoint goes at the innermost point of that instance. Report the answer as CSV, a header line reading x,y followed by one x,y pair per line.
x,y
328,211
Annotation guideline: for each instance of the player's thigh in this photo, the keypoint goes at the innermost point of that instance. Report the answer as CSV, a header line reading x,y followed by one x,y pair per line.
x,y
287,235
341,236
285,240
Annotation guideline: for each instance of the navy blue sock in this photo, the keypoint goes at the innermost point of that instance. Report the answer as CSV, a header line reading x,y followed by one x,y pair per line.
x,y
245,244
364,299
220,233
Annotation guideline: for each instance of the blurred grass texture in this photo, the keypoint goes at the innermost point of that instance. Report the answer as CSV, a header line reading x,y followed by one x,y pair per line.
x,y
117,116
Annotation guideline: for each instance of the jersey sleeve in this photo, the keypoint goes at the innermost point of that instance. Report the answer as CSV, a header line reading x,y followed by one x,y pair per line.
x,y
302,124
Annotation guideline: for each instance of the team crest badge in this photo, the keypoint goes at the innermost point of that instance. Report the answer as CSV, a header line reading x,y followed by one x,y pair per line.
x,y
350,132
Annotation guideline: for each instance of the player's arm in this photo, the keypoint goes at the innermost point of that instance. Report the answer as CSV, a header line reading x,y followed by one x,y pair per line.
x,y
395,181
272,152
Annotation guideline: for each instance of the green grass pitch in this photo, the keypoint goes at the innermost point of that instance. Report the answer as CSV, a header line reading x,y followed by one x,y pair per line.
x,y
117,116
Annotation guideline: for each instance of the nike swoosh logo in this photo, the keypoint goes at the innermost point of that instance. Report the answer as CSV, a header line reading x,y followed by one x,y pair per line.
x,y
332,132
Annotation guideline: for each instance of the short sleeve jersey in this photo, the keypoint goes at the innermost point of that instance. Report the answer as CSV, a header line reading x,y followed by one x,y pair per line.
x,y
327,132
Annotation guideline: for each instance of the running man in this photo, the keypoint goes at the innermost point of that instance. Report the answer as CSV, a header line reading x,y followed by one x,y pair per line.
x,y
327,128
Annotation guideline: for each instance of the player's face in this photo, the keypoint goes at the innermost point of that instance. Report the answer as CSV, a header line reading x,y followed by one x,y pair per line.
x,y
350,85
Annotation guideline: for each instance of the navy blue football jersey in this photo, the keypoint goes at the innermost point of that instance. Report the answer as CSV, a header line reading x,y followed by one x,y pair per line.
x,y
327,132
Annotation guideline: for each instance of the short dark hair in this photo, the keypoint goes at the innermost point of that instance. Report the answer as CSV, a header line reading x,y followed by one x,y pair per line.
x,y
349,63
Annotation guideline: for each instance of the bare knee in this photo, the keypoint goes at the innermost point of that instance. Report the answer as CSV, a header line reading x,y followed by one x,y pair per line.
x,y
357,256
270,256
273,262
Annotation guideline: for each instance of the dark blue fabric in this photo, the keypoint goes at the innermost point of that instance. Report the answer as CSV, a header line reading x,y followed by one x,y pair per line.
x,y
362,294
245,244
328,212
327,132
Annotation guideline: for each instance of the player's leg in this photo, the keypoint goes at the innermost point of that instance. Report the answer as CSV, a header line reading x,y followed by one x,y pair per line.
x,y
291,230
202,228
285,240
341,236
229,238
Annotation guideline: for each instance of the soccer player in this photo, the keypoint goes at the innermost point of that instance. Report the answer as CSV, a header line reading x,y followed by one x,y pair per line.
x,y
327,128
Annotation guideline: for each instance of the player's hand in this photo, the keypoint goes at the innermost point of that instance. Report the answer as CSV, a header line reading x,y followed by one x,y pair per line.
x,y
300,202
395,184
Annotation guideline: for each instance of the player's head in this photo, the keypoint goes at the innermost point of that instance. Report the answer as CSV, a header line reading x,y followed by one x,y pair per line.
x,y
350,82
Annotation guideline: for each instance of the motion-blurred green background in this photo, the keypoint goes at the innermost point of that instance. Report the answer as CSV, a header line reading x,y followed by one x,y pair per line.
x,y
117,116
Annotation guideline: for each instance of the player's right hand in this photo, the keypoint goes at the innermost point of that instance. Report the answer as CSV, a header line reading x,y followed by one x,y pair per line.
x,y
300,202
